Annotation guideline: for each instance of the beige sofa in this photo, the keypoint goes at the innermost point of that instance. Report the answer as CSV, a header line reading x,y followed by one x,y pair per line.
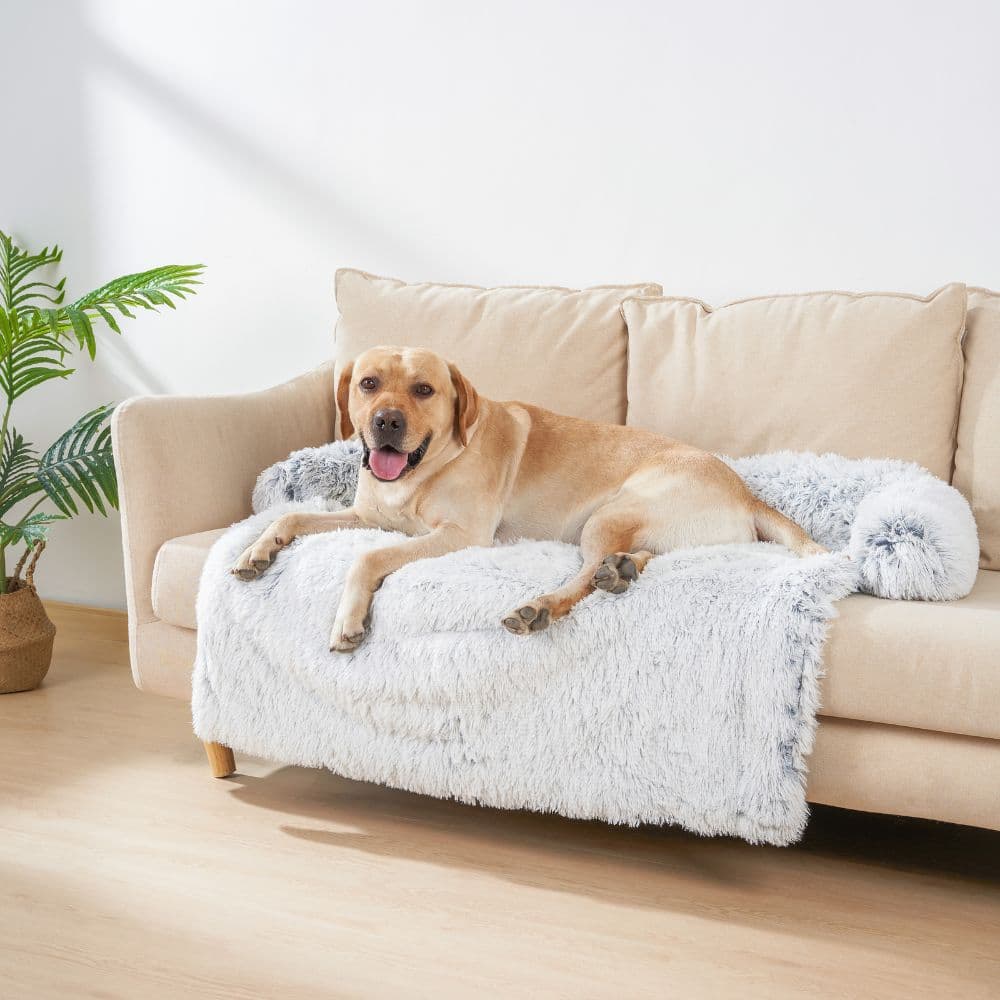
x,y
911,701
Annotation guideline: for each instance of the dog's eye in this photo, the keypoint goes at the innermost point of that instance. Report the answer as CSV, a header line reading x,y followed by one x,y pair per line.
x,y
368,384
423,389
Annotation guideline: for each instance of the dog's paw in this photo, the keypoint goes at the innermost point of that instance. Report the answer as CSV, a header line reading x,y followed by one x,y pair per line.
x,y
530,617
349,632
252,562
260,555
342,642
616,573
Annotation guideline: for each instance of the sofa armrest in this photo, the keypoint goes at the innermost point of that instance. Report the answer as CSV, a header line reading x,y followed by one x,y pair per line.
x,y
189,463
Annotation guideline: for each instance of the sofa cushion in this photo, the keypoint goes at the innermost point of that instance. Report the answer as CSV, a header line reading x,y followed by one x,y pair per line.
x,y
977,455
560,348
915,663
176,573
872,375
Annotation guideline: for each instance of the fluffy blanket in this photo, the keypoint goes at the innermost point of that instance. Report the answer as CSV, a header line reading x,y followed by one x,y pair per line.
x,y
689,699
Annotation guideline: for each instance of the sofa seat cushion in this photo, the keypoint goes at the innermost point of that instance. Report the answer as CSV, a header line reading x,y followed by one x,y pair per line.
x,y
176,573
916,663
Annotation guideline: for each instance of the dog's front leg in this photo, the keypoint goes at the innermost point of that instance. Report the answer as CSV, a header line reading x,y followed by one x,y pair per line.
x,y
370,569
284,531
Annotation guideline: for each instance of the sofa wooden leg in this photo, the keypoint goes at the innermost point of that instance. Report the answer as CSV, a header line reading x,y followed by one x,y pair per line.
x,y
221,759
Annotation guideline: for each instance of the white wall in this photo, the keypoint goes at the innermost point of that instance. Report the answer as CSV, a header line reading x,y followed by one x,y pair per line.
x,y
722,148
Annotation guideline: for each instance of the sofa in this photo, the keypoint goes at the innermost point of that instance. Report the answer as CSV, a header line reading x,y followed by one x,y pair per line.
x,y
910,718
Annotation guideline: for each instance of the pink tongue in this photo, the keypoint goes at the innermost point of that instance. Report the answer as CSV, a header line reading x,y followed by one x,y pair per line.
x,y
387,464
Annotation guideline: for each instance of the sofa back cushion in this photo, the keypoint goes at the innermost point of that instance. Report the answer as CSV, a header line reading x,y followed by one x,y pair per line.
x,y
977,455
872,375
560,348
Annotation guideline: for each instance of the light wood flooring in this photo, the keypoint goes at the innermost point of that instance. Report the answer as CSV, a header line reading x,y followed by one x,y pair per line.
x,y
126,871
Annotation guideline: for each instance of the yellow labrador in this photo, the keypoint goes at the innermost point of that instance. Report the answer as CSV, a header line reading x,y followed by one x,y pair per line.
x,y
451,468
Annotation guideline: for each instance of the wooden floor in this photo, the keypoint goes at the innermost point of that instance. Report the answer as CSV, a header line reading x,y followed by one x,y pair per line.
x,y
127,871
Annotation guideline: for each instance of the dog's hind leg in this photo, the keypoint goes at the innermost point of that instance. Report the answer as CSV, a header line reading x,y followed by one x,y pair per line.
x,y
606,541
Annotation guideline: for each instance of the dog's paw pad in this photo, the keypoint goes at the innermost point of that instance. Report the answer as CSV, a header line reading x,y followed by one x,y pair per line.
x,y
248,568
347,643
616,573
527,618
252,563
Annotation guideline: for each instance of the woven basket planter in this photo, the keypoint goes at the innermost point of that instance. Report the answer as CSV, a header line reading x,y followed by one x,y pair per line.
x,y
26,632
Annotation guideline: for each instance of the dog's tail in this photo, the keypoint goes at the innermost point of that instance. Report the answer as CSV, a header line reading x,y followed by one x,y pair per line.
x,y
773,526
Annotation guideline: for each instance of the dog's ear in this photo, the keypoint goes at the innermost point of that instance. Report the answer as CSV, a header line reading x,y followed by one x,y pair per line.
x,y
343,401
466,404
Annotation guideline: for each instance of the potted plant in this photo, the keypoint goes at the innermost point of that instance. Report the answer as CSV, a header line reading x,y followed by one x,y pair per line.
x,y
38,334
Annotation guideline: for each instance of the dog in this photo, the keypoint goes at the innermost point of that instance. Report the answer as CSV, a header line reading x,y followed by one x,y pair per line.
x,y
452,469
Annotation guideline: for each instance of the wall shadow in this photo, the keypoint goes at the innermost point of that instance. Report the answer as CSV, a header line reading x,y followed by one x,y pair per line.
x,y
315,203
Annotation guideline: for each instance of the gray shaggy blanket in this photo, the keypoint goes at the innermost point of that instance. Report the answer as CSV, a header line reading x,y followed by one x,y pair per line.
x,y
689,699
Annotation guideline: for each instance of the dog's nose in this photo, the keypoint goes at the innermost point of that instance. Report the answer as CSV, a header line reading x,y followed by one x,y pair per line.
x,y
389,420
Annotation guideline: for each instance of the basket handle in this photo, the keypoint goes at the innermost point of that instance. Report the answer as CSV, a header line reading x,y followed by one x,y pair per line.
x,y
20,565
29,576
34,551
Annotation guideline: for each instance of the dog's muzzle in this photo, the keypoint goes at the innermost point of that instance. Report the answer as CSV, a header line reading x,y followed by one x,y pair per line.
x,y
387,463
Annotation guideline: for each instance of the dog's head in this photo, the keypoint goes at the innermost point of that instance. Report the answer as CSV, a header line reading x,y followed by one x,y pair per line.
x,y
406,405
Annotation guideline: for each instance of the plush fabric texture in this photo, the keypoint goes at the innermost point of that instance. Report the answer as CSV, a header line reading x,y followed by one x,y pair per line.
x,y
561,348
977,454
915,542
904,663
636,708
702,719
866,376
328,473
912,536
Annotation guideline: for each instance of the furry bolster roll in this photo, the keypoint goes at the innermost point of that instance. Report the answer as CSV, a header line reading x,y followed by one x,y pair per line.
x,y
910,535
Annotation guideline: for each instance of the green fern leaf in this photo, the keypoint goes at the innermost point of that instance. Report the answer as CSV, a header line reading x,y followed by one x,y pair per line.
x,y
37,331
30,362
108,318
79,466
83,329
15,267
149,290
18,461
30,530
